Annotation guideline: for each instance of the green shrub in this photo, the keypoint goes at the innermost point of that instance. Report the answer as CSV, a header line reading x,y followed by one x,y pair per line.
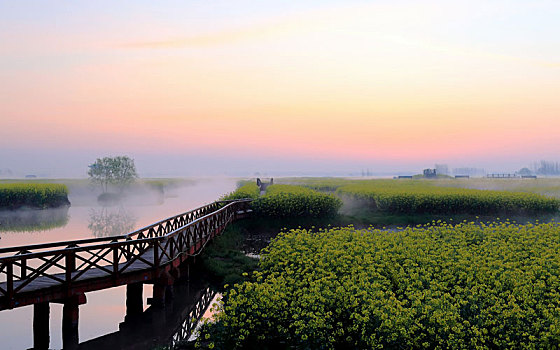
x,y
224,259
419,197
248,190
284,201
493,286
36,195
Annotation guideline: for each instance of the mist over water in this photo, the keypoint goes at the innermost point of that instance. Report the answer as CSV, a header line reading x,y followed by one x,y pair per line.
x,y
86,218
30,220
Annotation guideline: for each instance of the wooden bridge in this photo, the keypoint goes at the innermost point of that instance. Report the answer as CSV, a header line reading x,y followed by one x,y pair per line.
x,y
63,272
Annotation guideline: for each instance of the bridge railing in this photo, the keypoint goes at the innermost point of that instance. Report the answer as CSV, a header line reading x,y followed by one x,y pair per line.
x,y
157,229
27,268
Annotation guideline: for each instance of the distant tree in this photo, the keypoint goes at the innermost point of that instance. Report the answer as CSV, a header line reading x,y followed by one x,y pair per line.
x,y
119,171
525,172
546,168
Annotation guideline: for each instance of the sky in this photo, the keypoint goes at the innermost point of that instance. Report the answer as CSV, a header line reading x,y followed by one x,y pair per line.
x,y
285,87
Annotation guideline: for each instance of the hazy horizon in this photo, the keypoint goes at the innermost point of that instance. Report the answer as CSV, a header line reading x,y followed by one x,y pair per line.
x,y
64,164
287,88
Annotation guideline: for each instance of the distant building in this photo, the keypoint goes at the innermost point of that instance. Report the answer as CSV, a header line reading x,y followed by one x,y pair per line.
x,y
31,176
430,173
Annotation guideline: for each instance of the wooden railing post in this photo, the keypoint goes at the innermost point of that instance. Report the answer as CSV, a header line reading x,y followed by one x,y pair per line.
x,y
70,265
156,254
115,261
10,281
180,241
23,268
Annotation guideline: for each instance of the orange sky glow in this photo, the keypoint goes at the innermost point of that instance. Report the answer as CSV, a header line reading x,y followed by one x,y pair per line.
x,y
347,81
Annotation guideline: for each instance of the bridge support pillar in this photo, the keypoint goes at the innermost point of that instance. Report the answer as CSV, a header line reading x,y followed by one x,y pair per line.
x,y
158,295
163,290
70,318
134,300
161,294
41,329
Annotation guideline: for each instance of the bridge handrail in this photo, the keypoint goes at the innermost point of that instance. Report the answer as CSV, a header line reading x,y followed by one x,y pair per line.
x,y
70,261
136,232
72,246
24,249
31,255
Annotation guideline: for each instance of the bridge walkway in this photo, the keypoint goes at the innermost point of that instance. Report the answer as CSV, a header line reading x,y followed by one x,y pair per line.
x,y
62,272
56,271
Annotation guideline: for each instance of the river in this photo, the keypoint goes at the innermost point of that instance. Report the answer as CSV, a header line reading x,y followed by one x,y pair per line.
x,y
86,218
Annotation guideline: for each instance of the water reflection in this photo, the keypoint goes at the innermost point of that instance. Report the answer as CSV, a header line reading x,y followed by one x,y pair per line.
x,y
105,308
161,327
111,221
29,220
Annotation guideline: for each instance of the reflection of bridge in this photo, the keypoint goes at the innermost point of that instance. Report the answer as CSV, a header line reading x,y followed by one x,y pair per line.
x,y
63,272
160,327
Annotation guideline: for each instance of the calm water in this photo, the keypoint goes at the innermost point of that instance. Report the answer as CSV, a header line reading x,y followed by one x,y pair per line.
x,y
86,218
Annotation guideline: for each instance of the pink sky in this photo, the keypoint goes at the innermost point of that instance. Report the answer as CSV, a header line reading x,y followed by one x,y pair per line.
x,y
351,84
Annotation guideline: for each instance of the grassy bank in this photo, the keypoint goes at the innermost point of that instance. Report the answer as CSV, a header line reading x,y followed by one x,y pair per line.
x,y
33,195
246,190
224,258
388,202
441,196
421,198
288,201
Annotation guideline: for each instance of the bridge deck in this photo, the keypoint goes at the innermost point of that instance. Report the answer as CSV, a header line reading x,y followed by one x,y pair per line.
x,y
55,271
46,282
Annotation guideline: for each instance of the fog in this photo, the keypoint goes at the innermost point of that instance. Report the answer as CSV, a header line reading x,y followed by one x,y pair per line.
x,y
548,186
140,205
147,192
68,163
27,220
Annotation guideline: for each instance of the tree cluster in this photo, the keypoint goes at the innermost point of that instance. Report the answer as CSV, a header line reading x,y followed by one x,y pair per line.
x,y
118,171
546,168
